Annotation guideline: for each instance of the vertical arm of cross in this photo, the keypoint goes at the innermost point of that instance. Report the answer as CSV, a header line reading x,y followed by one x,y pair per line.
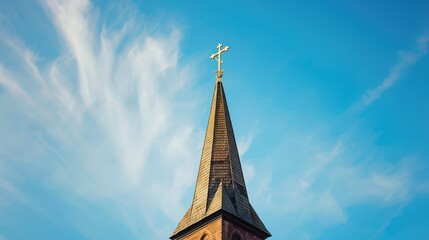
x,y
219,52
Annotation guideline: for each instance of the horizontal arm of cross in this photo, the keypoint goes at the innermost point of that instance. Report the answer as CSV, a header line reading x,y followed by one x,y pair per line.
x,y
225,49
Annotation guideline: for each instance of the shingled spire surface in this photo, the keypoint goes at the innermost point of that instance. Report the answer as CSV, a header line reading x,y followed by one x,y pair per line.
x,y
220,183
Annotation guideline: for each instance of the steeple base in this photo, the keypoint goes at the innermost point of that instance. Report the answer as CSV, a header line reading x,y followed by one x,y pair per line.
x,y
221,226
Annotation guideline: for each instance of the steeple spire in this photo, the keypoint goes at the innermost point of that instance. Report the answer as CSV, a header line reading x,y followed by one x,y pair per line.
x,y
220,189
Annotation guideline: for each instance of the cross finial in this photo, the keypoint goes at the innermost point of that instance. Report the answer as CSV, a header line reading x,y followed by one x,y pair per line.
x,y
219,71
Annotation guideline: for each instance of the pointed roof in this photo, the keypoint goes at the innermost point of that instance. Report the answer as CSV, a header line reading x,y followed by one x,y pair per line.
x,y
220,182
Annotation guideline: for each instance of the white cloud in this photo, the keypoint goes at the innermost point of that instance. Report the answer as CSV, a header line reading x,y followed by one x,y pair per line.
x,y
105,117
244,143
326,175
9,193
422,43
248,171
6,80
405,60
323,178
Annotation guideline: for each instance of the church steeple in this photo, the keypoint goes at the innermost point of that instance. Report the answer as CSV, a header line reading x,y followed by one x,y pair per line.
x,y
220,191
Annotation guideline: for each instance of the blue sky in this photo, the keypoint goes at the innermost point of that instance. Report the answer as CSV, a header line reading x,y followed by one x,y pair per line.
x,y
103,108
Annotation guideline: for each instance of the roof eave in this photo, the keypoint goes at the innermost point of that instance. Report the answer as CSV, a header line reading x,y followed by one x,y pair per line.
x,y
227,216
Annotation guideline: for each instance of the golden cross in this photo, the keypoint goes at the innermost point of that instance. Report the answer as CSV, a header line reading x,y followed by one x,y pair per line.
x,y
219,71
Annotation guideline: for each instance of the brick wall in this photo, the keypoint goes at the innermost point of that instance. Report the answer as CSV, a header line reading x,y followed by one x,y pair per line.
x,y
220,229
212,230
229,229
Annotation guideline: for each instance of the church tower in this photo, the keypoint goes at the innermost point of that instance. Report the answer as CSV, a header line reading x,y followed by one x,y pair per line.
x,y
220,209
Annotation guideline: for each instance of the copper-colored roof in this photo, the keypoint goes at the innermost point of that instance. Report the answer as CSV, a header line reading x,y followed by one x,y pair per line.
x,y
220,182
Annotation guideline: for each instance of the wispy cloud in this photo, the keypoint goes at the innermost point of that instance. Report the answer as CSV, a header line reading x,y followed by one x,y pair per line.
x,y
244,143
324,177
243,146
103,117
6,80
405,60
10,193
248,171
